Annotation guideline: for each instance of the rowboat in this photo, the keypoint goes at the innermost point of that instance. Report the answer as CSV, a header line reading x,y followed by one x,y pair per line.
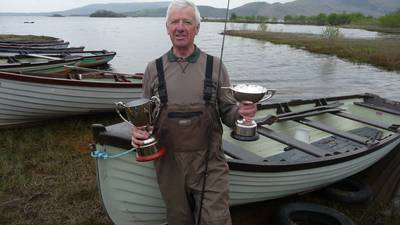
x,y
24,40
36,64
27,99
36,44
25,49
88,58
304,145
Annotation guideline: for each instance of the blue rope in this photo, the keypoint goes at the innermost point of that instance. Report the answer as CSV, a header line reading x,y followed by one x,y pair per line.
x,y
100,154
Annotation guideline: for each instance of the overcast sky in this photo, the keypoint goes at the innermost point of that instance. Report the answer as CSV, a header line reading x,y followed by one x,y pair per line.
x,y
60,5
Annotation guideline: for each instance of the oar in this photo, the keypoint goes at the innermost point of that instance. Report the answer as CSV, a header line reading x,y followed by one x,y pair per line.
x,y
137,76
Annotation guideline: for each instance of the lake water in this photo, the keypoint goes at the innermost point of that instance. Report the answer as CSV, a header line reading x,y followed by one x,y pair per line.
x,y
293,72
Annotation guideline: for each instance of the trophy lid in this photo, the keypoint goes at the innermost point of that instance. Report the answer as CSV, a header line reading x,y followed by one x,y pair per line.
x,y
138,102
249,89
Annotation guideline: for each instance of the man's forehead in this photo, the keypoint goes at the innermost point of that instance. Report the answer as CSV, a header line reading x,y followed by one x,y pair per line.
x,y
185,10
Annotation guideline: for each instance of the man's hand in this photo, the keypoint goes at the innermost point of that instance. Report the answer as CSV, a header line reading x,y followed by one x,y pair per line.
x,y
139,134
247,109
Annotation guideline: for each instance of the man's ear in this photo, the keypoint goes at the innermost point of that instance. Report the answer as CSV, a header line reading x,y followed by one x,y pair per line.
x,y
197,28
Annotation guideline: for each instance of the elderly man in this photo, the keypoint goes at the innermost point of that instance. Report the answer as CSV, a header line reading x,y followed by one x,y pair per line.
x,y
193,175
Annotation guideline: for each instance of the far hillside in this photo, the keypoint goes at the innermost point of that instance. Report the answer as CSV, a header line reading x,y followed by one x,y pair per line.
x,y
105,13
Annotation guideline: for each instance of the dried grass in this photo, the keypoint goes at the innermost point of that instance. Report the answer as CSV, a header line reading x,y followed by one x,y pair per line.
x,y
47,175
383,53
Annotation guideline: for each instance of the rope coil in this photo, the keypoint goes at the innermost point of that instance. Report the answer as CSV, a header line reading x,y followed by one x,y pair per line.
x,y
102,154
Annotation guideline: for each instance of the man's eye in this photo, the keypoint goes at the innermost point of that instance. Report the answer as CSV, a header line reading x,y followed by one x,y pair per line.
x,y
187,22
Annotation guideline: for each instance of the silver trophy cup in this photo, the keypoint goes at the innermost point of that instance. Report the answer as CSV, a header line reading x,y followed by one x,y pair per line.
x,y
143,113
246,128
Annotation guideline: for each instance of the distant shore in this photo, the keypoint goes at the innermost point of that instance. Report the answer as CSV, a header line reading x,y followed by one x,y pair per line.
x,y
383,53
374,28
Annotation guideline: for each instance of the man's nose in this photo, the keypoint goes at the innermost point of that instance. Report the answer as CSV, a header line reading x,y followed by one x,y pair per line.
x,y
180,24
180,28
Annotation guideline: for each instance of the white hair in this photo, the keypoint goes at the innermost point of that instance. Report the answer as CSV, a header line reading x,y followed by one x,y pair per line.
x,y
180,4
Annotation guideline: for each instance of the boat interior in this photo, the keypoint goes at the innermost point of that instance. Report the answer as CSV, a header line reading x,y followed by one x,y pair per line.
x,y
307,130
303,131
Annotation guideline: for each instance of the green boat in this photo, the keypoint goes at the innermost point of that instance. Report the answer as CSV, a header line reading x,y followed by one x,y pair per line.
x,y
303,145
88,58
36,64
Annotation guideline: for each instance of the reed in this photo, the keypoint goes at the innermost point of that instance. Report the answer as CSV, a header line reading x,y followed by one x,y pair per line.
x,y
382,53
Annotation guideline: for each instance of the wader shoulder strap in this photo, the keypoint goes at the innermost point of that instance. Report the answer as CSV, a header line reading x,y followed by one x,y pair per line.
x,y
208,83
162,86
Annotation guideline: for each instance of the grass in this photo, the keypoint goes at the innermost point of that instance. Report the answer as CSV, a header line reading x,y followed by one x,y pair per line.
x,y
373,27
13,37
47,177
378,52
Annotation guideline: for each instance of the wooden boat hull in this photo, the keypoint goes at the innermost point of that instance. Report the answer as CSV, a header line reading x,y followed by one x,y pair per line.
x,y
37,44
36,64
27,42
274,166
89,58
27,99
19,49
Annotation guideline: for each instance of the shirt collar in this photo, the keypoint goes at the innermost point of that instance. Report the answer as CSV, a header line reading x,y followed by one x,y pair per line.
x,y
192,58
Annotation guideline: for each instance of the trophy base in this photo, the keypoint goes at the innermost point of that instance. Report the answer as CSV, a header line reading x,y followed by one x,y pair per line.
x,y
145,158
149,151
245,131
244,138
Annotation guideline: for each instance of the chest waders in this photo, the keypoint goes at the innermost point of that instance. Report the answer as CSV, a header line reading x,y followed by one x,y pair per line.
x,y
192,135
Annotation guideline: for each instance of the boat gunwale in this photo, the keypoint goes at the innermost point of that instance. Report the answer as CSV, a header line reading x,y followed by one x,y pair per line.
x,y
262,166
102,136
64,81
22,49
37,64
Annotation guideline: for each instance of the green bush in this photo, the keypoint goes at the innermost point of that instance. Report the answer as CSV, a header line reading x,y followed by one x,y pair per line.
x,y
262,26
331,33
391,20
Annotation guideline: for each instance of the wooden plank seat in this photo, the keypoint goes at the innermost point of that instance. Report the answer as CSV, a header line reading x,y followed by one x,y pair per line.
x,y
379,124
332,130
237,152
290,141
334,144
318,110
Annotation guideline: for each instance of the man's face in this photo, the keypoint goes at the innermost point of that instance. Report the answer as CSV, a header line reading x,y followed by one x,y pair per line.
x,y
182,27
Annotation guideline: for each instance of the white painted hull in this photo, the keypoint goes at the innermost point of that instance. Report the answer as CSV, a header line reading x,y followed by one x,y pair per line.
x,y
265,169
130,193
26,102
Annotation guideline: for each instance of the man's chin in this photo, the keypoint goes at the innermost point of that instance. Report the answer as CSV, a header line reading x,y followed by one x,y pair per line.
x,y
181,44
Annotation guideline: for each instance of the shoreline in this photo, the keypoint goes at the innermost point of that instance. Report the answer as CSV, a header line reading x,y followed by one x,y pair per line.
x,y
377,52
373,28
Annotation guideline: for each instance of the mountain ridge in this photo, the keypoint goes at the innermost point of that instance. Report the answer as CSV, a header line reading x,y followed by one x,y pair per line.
x,y
278,10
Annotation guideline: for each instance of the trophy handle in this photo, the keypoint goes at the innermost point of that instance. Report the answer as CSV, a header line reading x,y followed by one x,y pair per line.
x,y
228,94
123,106
269,93
157,106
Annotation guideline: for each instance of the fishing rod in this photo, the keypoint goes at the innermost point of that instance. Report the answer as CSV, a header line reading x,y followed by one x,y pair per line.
x,y
208,147
223,40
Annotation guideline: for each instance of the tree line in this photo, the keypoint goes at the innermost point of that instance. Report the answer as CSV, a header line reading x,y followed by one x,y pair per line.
x,y
391,20
335,19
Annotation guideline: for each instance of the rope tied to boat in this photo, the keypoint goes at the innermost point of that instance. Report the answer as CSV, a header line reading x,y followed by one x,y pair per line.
x,y
103,154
